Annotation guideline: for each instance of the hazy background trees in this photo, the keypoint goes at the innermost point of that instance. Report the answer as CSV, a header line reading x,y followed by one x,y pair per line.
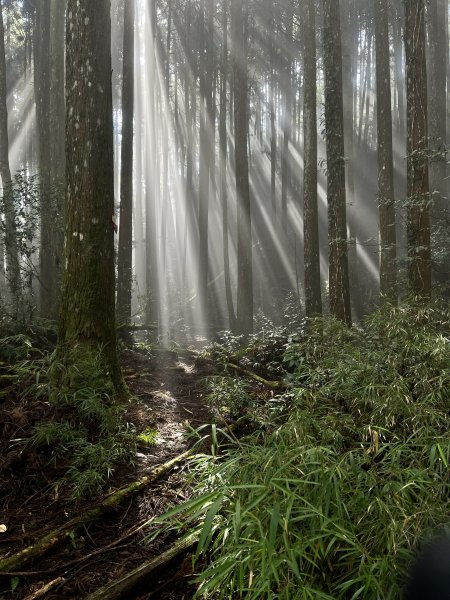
x,y
260,157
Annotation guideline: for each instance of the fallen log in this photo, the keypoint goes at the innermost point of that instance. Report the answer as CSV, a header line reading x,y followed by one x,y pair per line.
x,y
17,561
123,587
274,385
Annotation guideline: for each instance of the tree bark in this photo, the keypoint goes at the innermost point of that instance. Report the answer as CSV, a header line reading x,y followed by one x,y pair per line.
x,y
388,240
57,141
313,300
223,167
206,146
437,111
10,239
244,249
418,217
287,116
125,255
334,126
48,278
87,314
151,247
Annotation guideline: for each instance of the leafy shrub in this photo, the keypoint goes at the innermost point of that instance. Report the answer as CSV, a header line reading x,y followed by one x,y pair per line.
x,y
230,395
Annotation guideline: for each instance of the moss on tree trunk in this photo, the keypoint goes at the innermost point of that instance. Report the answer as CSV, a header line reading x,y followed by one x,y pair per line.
x,y
87,319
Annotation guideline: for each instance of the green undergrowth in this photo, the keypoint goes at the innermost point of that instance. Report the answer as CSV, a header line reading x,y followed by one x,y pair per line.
x,y
330,496
149,437
87,437
81,435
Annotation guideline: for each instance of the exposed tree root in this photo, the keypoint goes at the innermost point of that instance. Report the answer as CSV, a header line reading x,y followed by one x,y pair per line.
x,y
121,588
46,588
17,561
275,385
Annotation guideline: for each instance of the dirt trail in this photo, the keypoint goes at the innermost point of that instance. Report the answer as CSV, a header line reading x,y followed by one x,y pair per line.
x,y
169,397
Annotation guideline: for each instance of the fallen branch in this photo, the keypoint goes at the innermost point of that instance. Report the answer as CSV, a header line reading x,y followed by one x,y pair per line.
x,y
274,385
47,587
121,588
16,562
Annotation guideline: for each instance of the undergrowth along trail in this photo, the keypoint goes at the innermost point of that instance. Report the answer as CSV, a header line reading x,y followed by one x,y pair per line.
x,y
167,403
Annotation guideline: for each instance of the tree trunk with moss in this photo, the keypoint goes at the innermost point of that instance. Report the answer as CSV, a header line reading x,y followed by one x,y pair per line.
x,y
87,321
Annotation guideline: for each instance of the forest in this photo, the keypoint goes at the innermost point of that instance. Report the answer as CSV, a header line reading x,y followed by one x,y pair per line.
x,y
224,299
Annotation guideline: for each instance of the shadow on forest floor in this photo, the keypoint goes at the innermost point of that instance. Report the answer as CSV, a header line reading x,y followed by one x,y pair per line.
x,y
168,390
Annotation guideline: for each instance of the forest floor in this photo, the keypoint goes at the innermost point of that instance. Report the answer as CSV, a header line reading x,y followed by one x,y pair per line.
x,y
169,399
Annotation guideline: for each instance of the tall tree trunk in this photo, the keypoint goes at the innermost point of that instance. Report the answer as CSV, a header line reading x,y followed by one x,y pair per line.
x,y
48,272
399,77
272,108
287,116
334,126
151,246
206,148
349,35
57,100
164,108
437,61
223,167
244,245
125,257
418,217
365,88
87,313
57,136
313,300
388,250
10,239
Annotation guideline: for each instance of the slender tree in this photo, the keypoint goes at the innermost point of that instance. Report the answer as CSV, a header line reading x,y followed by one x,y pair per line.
x,y
287,112
57,135
164,105
313,300
10,239
87,311
151,251
125,256
437,110
388,266
48,272
223,165
399,70
334,126
418,217
206,147
244,249
271,34
57,93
